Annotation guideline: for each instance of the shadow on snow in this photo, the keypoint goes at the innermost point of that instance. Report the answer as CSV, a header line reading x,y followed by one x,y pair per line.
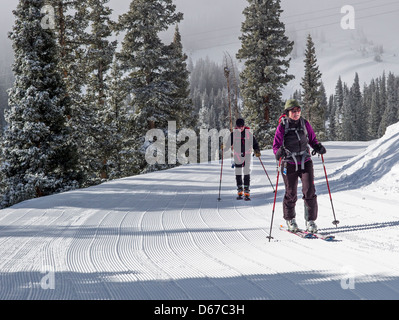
x,y
128,285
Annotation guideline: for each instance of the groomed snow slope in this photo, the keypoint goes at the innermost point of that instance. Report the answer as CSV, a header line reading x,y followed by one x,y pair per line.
x,y
164,235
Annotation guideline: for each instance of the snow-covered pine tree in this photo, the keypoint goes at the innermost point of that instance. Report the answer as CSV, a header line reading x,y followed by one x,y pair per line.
x,y
71,25
264,50
348,113
314,109
204,113
195,95
360,111
182,109
38,157
321,117
331,131
205,76
339,106
390,115
234,83
98,59
382,83
297,95
371,98
144,60
222,111
120,162
396,97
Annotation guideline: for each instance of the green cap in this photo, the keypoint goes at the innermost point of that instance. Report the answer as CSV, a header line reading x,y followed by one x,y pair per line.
x,y
291,104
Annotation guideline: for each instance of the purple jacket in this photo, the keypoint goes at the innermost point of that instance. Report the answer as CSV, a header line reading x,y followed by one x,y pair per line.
x,y
279,136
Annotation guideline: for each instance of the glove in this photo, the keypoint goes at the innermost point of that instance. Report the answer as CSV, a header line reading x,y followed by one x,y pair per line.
x,y
281,153
257,153
319,148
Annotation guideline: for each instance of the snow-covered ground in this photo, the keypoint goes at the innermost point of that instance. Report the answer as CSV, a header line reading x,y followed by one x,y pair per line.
x,y
164,235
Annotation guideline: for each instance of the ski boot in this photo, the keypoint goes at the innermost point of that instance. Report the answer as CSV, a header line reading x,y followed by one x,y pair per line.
x,y
292,225
311,226
240,192
246,194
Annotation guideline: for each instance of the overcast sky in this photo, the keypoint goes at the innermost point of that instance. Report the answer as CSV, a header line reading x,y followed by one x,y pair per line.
x,y
215,24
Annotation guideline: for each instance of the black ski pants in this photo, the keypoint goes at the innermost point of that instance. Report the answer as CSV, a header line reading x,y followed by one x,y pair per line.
x,y
308,190
244,169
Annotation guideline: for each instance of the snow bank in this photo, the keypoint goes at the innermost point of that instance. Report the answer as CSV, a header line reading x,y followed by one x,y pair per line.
x,y
375,168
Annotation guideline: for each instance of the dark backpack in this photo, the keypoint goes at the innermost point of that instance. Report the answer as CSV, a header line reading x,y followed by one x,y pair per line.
x,y
304,152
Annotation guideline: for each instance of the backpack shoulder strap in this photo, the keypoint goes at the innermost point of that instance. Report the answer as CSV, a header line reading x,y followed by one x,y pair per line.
x,y
285,124
303,125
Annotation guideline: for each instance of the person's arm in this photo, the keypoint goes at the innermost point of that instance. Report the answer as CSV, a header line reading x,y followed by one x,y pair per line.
x,y
278,138
313,142
311,135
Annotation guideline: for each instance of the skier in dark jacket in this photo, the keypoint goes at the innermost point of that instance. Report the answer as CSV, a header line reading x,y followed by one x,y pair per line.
x,y
291,142
242,143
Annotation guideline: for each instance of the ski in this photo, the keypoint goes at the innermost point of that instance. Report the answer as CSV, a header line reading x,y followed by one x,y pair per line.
x,y
308,235
326,237
300,233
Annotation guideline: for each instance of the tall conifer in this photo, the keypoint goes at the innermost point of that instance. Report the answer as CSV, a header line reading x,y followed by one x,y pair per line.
x,y
98,59
313,96
264,50
145,62
38,155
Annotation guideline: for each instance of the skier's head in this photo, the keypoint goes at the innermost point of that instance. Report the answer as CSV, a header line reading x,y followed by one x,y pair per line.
x,y
240,123
292,109
291,104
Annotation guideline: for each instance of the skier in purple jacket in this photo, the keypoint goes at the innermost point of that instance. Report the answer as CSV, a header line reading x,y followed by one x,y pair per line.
x,y
291,142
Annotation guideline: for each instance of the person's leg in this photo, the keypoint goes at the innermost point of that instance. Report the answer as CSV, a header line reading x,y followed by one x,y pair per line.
x,y
238,173
309,192
247,174
290,196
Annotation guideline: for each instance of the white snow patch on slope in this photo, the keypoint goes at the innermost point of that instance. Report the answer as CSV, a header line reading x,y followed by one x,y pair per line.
x,y
376,167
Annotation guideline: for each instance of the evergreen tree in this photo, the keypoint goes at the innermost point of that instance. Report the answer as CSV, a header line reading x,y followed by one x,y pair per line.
x,y
98,58
145,62
382,95
204,112
348,114
313,96
207,75
320,118
264,49
297,96
120,161
38,157
390,115
360,112
339,107
182,110
331,118
311,82
71,29
372,98
222,110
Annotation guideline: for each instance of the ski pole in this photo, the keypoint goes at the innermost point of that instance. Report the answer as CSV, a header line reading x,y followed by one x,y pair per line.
x,y
274,202
329,191
266,174
221,173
